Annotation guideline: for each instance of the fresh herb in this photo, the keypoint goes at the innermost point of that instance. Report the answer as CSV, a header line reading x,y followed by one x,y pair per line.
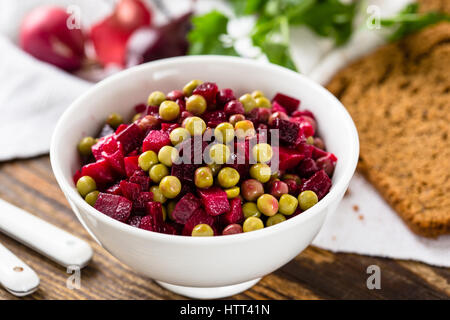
x,y
208,33
409,21
274,18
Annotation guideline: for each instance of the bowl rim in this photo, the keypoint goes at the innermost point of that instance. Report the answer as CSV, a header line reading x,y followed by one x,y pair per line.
x,y
337,188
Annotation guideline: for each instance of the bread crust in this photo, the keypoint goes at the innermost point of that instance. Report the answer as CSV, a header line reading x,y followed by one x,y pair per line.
x,y
399,98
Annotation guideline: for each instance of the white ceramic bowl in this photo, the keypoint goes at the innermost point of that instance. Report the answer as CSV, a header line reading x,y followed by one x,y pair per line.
x,y
203,267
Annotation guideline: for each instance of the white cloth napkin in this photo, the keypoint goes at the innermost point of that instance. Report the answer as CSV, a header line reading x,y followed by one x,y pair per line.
x,y
33,95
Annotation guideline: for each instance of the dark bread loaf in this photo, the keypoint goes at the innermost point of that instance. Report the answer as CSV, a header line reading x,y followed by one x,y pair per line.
x,y
399,98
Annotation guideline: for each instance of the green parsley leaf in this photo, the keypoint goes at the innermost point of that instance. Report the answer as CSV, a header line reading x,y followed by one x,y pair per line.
x,y
246,7
409,21
206,35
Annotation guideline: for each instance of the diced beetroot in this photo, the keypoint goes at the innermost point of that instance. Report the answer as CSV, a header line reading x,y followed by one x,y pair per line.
x,y
307,129
258,115
120,128
234,215
318,153
209,91
174,95
214,118
116,207
198,217
108,144
155,140
133,153
134,221
130,190
289,132
77,176
307,168
289,103
307,125
175,226
141,178
327,163
185,207
305,149
233,107
146,223
139,108
182,103
99,171
130,138
187,187
214,200
276,107
293,187
289,158
224,96
320,183
154,209
131,165
115,161
305,112
114,189
184,172
153,110
185,114
168,127
168,229
140,204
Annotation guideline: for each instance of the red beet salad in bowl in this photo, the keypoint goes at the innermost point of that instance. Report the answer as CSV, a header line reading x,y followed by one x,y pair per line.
x,y
200,161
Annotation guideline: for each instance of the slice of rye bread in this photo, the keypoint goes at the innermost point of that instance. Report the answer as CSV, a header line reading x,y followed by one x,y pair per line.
x,y
399,98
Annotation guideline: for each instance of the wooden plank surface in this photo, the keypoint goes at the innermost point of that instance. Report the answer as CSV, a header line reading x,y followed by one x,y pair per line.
x,y
314,274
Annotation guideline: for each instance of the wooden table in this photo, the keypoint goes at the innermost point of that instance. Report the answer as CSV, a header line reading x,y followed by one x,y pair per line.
x,y
314,274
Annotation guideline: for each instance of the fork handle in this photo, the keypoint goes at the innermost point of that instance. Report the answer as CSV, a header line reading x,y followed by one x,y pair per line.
x,y
52,242
15,275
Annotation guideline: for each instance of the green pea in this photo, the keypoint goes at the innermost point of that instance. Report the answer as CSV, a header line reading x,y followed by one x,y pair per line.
x,y
273,220
85,146
260,172
86,185
190,87
248,102
157,172
147,159
307,199
157,194
169,110
114,120
203,177
263,102
196,104
92,197
228,177
250,209
167,155
287,204
156,98
252,224
202,230
170,186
